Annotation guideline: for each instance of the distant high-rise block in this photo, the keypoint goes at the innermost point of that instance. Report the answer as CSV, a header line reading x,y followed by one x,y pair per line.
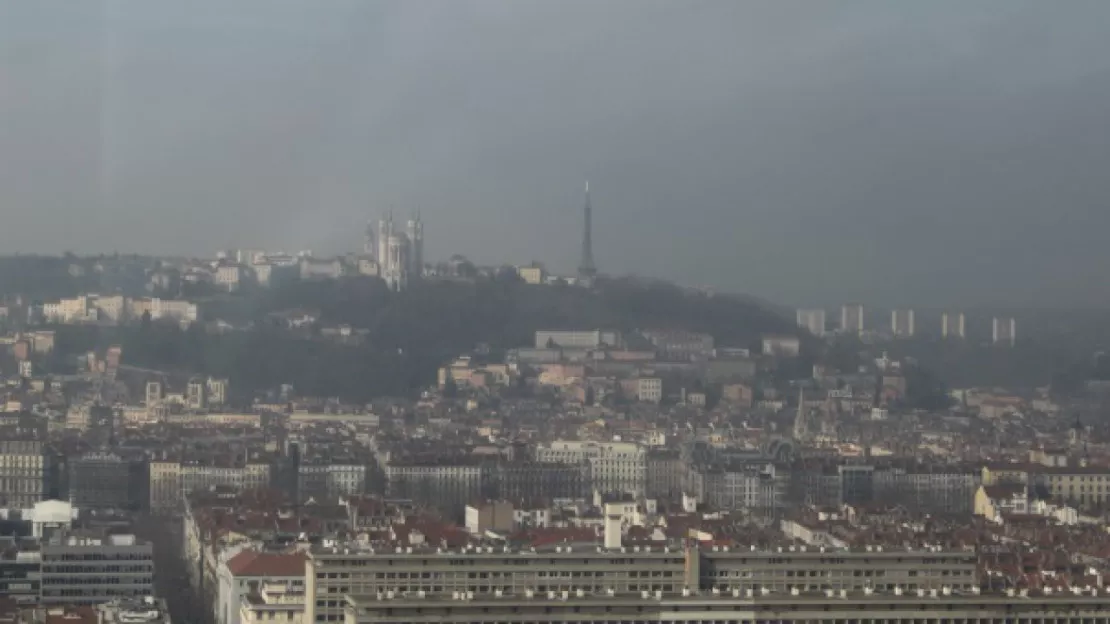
x,y
812,321
901,323
952,325
385,230
1004,330
851,318
416,247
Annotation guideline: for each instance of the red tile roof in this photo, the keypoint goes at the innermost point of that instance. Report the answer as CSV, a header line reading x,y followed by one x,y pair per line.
x,y
71,615
251,563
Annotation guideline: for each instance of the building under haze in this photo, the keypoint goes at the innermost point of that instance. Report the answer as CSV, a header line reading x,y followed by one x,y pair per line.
x,y
812,321
1004,330
901,323
851,318
400,255
24,472
952,325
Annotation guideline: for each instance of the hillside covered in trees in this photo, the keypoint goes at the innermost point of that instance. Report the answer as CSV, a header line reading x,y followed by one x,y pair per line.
x,y
411,332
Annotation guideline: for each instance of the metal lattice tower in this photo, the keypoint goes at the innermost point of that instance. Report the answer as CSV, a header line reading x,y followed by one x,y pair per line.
x,y
586,268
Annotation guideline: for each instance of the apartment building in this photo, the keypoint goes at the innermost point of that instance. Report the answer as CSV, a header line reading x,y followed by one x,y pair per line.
x,y
281,602
1004,331
1077,485
817,569
947,489
173,309
80,309
100,480
941,488
733,607
444,482
577,339
851,318
244,579
679,345
230,277
753,486
196,394
197,476
171,480
116,309
953,325
781,346
532,274
325,480
665,474
649,389
580,570
24,473
20,570
216,390
812,321
331,573
526,480
902,323
613,466
93,568
320,269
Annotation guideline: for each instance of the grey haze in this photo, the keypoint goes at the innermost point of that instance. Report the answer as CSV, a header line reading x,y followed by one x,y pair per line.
x,y
914,153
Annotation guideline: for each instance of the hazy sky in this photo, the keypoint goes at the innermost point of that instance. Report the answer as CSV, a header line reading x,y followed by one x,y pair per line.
x,y
908,153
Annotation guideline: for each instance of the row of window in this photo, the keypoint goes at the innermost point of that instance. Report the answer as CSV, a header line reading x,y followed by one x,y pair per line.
x,y
907,620
49,557
98,580
523,560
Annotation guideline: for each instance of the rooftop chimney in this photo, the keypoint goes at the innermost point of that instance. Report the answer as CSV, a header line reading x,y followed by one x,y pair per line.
x,y
612,531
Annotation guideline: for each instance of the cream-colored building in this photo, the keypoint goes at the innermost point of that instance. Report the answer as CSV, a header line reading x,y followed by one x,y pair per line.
x,y
173,309
532,274
649,389
230,276
80,309
170,481
274,602
781,346
812,321
164,486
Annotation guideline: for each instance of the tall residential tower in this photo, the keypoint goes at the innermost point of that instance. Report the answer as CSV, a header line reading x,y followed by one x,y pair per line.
x,y
1004,330
851,318
901,323
812,321
385,230
952,325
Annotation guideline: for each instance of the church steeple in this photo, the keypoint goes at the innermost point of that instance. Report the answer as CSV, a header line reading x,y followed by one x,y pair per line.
x,y
801,418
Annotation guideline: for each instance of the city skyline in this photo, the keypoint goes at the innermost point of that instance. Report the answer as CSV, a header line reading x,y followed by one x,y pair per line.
x,y
825,348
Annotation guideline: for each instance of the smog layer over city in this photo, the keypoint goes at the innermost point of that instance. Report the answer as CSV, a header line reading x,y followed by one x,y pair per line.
x,y
559,311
